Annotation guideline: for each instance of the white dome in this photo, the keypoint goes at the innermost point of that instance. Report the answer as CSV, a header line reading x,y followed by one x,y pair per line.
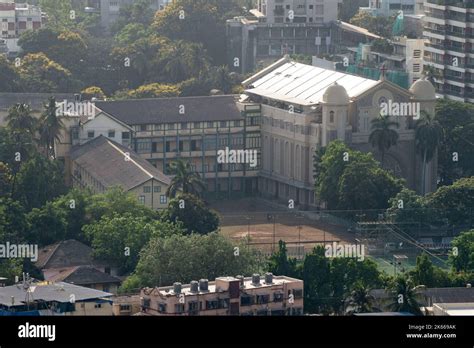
x,y
336,94
423,90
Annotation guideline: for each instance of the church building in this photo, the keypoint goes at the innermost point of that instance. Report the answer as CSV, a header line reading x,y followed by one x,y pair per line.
x,y
304,108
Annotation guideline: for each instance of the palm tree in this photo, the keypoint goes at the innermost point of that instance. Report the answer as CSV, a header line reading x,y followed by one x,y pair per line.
x,y
428,135
431,73
185,179
50,128
405,297
19,119
383,136
360,300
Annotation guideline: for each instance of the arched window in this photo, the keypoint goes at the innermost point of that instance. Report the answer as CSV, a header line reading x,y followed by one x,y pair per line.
x,y
331,117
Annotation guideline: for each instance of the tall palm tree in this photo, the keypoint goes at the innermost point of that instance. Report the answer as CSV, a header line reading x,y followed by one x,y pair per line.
x,y
383,136
360,299
19,119
428,136
404,297
50,128
185,179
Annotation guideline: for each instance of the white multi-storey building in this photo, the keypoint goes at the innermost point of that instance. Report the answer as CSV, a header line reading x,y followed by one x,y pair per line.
x,y
392,7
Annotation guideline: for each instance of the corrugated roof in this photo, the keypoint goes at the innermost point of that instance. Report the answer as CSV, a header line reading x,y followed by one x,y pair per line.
x,y
305,84
104,159
167,110
59,292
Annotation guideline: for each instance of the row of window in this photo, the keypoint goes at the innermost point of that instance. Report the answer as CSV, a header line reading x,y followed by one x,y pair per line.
x,y
186,125
163,199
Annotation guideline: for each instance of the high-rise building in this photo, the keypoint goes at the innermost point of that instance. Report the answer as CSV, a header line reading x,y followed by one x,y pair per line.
x,y
279,27
393,7
449,50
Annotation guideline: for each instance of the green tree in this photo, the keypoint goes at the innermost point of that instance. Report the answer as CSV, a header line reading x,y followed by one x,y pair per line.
x,y
317,282
360,300
48,225
39,180
192,212
408,210
184,258
379,25
462,259
50,128
118,239
457,121
454,203
428,135
423,273
58,13
404,296
185,179
383,136
154,90
8,76
13,222
40,74
281,264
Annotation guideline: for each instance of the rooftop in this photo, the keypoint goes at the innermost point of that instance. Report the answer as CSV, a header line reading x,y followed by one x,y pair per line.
x,y
248,285
66,253
105,160
167,110
84,275
303,84
58,292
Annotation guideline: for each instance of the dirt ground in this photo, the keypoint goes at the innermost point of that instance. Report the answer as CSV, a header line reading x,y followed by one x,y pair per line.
x,y
245,218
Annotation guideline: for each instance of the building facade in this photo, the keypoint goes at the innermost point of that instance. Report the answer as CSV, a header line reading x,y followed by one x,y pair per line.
x,y
449,29
393,7
281,27
239,296
304,108
195,129
15,19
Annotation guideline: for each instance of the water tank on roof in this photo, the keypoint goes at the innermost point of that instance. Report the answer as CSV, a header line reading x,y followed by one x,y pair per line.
x,y
204,285
268,278
177,288
256,279
194,286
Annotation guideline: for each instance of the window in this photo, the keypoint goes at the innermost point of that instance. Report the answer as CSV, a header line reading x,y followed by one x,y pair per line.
x,y
158,127
246,300
179,308
75,134
98,305
184,125
143,127
125,135
223,124
298,293
163,199
416,68
162,307
262,299
417,54
90,134
141,200
170,126
210,124
193,306
125,308
277,297
111,134
214,304
157,189
331,117
146,189
197,125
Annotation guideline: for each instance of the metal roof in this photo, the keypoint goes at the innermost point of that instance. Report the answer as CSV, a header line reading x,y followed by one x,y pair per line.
x,y
59,292
305,84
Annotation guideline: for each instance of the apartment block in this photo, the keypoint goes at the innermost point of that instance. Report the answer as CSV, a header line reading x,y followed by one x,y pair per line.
x,y
449,29
15,19
236,296
279,27
393,7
